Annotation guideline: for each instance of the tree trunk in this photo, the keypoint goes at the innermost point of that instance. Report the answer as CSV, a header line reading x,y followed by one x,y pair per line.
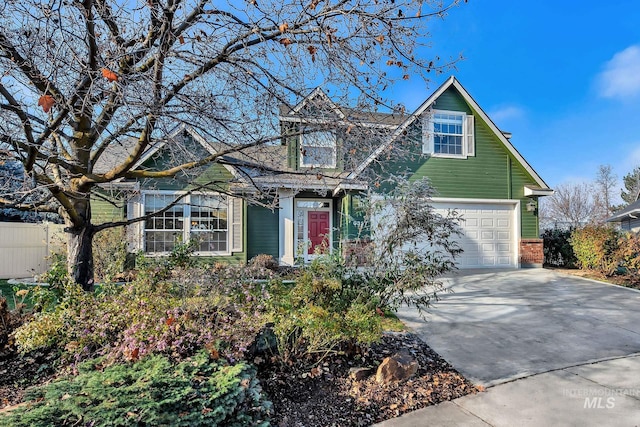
x,y
80,243
80,256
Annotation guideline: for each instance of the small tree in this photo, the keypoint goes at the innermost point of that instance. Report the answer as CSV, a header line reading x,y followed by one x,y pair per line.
x,y
414,245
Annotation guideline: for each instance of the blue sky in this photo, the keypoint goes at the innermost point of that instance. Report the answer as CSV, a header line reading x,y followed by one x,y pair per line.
x,y
563,77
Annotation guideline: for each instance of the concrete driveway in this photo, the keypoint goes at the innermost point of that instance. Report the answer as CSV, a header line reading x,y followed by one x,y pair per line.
x,y
550,349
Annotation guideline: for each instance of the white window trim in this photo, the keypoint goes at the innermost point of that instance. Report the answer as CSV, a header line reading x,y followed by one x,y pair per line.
x,y
334,155
468,135
187,221
303,245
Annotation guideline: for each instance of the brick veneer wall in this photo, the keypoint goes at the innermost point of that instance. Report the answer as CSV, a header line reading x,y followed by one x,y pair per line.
x,y
531,253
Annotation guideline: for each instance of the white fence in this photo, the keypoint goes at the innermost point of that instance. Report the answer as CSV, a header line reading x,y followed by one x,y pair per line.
x,y
25,248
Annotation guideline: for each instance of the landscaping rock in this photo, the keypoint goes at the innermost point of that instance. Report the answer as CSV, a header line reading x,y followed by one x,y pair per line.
x,y
398,367
359,374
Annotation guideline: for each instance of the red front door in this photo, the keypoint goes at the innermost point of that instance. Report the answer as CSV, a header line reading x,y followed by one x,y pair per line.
x,y
318,226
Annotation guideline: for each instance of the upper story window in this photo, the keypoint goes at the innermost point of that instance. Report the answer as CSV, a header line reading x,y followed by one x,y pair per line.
x,y
448,134
203,218
318,149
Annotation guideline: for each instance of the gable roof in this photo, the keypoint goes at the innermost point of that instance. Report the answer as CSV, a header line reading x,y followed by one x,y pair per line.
x,y
265,156
343,115
451,82
630,212
316,93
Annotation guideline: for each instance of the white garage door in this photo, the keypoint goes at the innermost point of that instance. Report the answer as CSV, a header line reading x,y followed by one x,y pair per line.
x,y
489,239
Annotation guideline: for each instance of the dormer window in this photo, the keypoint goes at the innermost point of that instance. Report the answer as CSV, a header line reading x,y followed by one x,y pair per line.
x,y
448,134
318,149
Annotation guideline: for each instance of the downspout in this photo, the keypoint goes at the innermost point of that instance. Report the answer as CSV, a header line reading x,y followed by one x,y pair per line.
x,y
509,179
509,196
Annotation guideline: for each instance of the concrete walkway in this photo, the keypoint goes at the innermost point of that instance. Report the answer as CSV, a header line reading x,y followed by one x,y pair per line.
x,y
550,349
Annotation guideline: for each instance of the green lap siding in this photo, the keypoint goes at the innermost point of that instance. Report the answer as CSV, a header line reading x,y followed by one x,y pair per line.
x,y
262,232
352,217
103,211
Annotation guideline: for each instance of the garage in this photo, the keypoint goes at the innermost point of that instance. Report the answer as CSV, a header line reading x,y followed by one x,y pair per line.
x,y
490,232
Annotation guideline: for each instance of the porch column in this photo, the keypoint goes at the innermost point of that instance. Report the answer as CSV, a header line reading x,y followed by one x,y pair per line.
x,y
286,227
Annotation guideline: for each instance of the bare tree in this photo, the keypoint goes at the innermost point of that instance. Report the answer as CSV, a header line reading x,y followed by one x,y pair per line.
x,y
571,205
603,187
80,77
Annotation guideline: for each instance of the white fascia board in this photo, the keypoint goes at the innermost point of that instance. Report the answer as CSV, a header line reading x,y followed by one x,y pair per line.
x,y
147,155
315,93
350,186
232,170
634,214
303,120
196,136
156,147
477,201
529,191
128,185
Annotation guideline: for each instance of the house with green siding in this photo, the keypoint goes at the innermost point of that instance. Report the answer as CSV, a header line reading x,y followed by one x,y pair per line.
x,y
328,157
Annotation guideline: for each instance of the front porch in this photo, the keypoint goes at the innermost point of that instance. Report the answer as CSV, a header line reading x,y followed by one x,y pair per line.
x,y
311,224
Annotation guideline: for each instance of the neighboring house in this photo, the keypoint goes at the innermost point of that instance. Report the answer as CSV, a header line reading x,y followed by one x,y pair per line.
x,y
14,181
449,139
628,217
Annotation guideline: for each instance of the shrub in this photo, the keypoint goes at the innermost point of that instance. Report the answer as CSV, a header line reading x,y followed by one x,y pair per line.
x,y
199,391
628,254
175,317
595,247
264,261
109,253
334,302
57,276
557,248
322,311
413,246
9,321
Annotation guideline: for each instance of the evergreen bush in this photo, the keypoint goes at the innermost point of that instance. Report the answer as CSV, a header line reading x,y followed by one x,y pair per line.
x,y
198,391
558,251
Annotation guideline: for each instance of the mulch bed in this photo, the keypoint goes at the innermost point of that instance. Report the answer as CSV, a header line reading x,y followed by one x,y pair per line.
x,y
322,394
616,279
326,395
17,373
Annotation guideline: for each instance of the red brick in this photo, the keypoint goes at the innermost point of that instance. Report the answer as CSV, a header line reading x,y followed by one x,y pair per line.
x,y
531,252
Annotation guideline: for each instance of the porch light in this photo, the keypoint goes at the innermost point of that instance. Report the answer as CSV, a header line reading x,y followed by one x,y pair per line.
x,y
531,206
